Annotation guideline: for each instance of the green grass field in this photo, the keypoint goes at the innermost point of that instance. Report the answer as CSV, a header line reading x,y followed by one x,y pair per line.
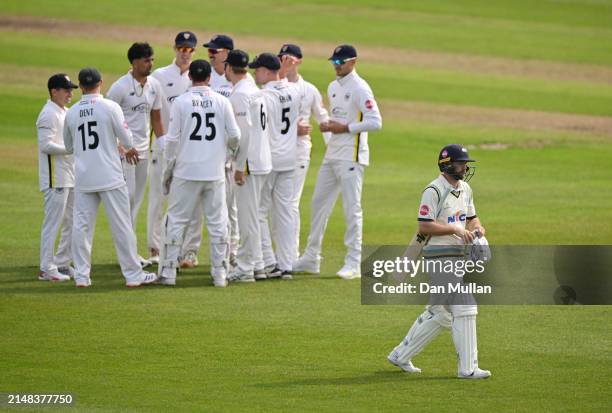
x,y
526,85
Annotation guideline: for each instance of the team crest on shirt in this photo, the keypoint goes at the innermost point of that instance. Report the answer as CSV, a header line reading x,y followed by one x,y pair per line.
x,y
424,210
170,84
347,96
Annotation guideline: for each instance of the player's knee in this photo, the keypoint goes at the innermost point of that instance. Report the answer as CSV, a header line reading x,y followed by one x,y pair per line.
x,y
464,310
439,314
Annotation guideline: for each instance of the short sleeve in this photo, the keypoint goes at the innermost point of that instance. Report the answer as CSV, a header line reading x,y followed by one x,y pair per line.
x,y
428,209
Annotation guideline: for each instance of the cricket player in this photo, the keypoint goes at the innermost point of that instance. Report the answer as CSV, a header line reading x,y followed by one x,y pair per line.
x,y
91,130
354,113
283,109
174,81
448,215
56,180
251,115
140,97
218,49
312,104
202,129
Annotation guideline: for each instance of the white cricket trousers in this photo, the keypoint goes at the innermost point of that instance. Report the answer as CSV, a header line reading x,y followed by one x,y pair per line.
x,y
248,196
185,195
276,199
336,177
232,211
117,206
155,210
301,170
58,209
136,179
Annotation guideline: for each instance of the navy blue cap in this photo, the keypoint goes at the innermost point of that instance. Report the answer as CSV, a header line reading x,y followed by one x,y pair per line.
x,y
220,41
60,81
89,76
344,52
186,39
291,50
267,60
237,58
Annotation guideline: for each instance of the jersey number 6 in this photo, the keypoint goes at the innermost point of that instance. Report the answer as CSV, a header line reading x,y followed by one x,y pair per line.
x,y
195,134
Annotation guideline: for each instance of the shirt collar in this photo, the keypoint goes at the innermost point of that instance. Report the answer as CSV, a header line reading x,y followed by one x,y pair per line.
x,y
344,80
55,106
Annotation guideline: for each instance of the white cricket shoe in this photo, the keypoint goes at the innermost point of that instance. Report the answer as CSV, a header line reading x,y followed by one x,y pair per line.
x,y
407,367
476,374
238,277
220,280
144,263
260,275
145,278
348,273
307,265
83,282
52,276
161,280
68,270
272,271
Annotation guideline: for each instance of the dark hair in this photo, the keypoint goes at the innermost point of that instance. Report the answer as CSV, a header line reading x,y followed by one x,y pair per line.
x,y
238,70
139,50
199,70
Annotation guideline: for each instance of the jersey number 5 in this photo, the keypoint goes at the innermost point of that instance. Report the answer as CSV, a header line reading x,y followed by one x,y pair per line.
x,y
90,132
195,134
286,121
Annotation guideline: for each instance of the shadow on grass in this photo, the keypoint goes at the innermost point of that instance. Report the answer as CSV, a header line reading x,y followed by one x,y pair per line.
x,y
365,379
105,278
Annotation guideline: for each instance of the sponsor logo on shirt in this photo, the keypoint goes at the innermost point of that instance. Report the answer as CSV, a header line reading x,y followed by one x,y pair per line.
x,y
141,107
458,217
369,104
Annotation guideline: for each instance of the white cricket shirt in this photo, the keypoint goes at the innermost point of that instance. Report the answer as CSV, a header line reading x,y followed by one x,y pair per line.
x,y
137,102
311,105
352,102
456,210
55,165
173,83
91,130
202,128
250,113
283,105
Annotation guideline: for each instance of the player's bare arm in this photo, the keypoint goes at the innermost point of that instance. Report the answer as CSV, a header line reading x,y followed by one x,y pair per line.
x,y
435,228
475,225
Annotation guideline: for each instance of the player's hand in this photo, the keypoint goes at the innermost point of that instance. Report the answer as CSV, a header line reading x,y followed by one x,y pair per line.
x,y
303,128
337,127
240,178
480,231
131,156
121,151
324,127
465,235
288,62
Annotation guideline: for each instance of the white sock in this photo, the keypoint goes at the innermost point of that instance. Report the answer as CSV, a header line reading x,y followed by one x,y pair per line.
x,y
464,337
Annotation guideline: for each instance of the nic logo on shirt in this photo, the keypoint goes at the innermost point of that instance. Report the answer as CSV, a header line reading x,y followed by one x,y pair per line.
x,y
458,217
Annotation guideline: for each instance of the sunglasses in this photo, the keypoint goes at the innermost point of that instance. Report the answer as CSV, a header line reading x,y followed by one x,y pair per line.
x,y
185,49
215,51
340,62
